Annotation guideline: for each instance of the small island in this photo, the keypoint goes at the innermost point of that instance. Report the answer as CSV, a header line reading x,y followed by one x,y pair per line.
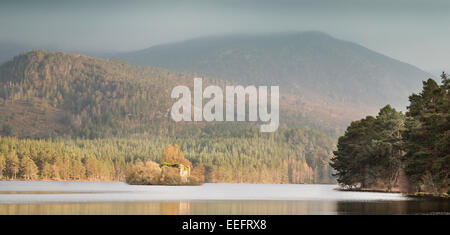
x,y
174,169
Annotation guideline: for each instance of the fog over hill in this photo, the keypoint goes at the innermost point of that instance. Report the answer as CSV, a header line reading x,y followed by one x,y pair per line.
x,y
310,64
325,83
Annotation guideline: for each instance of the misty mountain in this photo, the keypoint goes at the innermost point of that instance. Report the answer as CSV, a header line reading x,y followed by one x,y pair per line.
x,y
307,64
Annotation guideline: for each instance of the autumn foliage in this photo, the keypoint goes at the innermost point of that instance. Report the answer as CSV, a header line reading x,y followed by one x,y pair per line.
x,y
151,173
173,155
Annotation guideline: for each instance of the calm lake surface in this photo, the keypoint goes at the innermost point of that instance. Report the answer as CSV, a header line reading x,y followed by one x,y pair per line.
x,y
42,197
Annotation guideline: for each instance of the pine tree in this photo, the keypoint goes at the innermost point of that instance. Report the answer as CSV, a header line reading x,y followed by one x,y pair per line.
x,y
427,141
12,164
28,168
353,157
388,146
2,165
369,153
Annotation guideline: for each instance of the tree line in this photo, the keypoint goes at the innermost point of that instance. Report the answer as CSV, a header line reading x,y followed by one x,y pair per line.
x,y
286,156
408,152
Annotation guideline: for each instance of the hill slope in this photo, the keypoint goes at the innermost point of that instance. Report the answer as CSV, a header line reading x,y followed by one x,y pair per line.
x,y
308,63
53,94
45,92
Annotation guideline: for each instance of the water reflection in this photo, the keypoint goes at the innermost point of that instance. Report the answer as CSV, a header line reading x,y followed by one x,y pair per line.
x,y
395,207
42,197
175,208
230,208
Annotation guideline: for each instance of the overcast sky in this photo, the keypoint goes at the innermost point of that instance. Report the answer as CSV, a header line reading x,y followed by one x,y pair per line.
x,y
414,31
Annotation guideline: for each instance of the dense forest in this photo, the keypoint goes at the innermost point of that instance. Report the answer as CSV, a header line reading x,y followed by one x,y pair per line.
x,y
286,156
73,117
409,152
48,94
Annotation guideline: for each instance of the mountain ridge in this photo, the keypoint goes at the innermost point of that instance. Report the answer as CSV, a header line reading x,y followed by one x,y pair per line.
x,y
300,61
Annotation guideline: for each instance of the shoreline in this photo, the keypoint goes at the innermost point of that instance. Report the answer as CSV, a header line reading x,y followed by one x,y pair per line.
x,y
62,180
422,195
417,195
372,190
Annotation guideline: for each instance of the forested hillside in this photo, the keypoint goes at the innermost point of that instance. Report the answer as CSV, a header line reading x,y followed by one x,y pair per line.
x,y
81,118
326,80
44,94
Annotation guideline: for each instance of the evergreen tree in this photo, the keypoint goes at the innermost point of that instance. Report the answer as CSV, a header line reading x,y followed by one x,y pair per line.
x,y
353,156
427,137
2,165
12,164
28,168
369,153
388,146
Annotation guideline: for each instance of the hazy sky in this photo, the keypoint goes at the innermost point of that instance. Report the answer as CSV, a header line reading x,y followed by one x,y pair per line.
x,y
414,31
